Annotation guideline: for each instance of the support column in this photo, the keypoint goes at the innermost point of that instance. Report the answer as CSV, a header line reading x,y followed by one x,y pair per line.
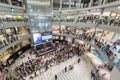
x,y
69,4
105,1
59,24
97,25
76,25
60,5
52,4
9,1
90,4
99,2
78,4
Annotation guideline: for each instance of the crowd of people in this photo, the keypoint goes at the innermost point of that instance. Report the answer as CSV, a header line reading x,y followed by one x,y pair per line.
x,y
44,62
95,72
101,43
61,53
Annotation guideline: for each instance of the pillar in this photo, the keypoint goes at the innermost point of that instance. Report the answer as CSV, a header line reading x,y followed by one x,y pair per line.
x,y
90,4
9,1
60,5
52,5
99,2
59,24
97,25
69,4
78,4
76,24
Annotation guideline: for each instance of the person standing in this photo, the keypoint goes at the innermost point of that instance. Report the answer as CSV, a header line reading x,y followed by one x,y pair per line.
x,y
79,60
92,74
65,69
55,77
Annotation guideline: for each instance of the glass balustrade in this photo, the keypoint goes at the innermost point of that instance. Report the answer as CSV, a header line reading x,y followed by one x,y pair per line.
x,y
92,20
76,4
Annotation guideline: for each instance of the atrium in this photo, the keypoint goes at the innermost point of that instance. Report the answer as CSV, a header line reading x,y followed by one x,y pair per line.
x,y
59,39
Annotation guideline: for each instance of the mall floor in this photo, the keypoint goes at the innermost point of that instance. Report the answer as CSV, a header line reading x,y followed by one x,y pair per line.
x,y
81,70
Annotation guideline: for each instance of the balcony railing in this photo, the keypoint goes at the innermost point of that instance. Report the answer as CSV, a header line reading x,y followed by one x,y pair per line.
x,y
113,24
83,4
14,41
8,24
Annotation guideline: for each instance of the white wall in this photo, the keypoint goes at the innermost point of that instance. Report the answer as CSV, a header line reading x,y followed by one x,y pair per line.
x,y
115,74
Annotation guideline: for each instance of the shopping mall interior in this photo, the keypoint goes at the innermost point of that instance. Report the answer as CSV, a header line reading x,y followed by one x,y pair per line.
x,y
59,39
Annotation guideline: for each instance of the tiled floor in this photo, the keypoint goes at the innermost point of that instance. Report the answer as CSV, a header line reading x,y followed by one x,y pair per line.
x,y
81,70
96,62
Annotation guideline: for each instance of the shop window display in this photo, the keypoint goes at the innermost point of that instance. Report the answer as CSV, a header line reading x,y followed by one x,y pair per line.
x,y
11,35
4,1
23,31
17,2
65,4
55,29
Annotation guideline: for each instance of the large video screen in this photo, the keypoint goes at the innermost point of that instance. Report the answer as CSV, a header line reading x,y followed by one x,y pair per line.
x,y
37,38
46,36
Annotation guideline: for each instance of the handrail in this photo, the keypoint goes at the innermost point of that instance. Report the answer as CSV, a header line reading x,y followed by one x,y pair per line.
x,y
109,5
111,28
14,24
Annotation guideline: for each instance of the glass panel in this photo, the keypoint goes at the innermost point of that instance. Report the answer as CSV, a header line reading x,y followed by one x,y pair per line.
x,y
74,4
65,4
